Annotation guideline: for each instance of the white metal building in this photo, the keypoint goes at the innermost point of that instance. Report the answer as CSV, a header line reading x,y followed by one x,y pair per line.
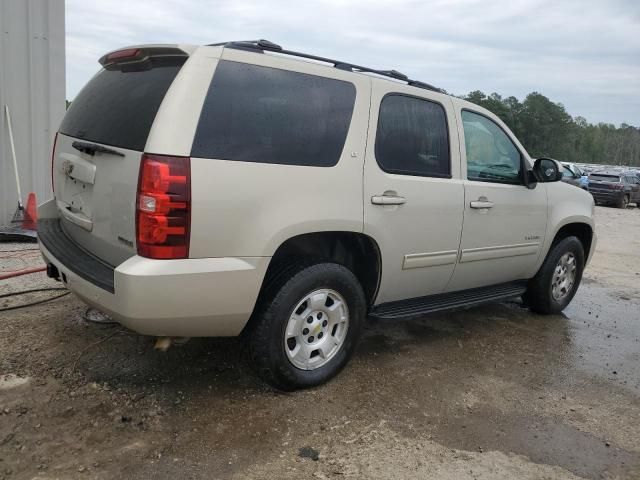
x,y
32,84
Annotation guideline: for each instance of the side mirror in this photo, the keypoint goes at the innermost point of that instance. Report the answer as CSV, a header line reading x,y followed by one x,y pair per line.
x,y
547,170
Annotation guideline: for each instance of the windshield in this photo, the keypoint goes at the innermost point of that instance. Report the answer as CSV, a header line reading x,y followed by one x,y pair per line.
x,y
567,173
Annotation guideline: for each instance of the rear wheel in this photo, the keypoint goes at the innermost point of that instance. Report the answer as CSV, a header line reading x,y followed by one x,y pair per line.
x,y
623,202
307,326
557,281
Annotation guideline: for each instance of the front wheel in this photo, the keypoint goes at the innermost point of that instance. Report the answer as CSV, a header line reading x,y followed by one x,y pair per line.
x,y
307,326
557,281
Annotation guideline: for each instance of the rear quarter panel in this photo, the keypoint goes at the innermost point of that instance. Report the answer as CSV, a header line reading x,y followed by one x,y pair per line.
x,y
247,209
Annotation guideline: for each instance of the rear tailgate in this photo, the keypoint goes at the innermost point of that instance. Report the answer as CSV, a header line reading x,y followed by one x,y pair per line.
x,y
97,156
605,185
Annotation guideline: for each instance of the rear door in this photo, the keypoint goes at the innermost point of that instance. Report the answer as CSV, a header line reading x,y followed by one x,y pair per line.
x,y
412,191
98,149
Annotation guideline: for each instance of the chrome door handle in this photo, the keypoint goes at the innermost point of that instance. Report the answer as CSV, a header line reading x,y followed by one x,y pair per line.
x,y
482,202
388,200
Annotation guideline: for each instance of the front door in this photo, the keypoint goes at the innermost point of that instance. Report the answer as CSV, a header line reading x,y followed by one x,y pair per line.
x,y
413,194
504,221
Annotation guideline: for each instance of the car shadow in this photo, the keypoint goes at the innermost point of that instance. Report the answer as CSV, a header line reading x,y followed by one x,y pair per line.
x,y
118,357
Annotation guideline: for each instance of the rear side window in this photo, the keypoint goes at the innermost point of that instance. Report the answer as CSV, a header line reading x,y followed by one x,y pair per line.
x,y
118,107
412,137
605,178
266,115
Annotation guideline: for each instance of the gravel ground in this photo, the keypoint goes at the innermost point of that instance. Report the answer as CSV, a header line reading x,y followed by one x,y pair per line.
x,y
493,392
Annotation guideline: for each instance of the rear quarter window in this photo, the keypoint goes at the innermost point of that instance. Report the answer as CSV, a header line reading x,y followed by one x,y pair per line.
x,y
118,107
259,114
605,178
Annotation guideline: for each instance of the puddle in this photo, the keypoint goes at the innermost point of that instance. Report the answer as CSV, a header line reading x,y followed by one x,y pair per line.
x,y
605,335
9,381
544,440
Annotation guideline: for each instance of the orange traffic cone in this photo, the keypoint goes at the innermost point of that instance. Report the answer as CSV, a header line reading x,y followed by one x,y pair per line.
x,y
30,221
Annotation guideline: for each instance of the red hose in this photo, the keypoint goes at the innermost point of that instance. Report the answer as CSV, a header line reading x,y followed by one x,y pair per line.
x,y
4,276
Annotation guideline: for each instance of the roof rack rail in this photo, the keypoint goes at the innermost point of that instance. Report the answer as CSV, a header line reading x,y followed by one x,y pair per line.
x,y
265,45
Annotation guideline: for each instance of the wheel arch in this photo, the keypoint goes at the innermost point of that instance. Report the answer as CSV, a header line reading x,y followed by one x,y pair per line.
x,y
580,229
358,252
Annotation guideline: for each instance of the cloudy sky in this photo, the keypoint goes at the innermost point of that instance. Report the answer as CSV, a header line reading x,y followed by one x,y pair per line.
x,y
582,53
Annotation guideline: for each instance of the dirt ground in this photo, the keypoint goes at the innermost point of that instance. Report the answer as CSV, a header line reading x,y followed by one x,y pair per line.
x,y
493,392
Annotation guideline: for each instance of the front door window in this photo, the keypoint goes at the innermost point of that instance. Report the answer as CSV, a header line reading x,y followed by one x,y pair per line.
x,y
491,155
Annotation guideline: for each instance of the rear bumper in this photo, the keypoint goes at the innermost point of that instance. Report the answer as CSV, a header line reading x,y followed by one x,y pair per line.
x,y
191,298
607,196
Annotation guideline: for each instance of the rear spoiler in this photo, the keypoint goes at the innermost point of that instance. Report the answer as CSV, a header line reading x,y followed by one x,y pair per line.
x,y
142,53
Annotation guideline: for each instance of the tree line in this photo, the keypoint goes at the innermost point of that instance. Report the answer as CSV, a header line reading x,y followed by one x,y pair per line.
x,y
547,130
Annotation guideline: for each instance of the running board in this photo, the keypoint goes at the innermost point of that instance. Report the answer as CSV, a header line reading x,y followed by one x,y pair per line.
x,y
416,307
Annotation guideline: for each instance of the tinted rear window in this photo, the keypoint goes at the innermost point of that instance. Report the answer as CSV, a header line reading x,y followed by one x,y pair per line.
x,y
261,114
118,108
605,178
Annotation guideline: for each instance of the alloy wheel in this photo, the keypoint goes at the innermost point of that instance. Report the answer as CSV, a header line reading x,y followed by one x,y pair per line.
x,y
564,277
317,329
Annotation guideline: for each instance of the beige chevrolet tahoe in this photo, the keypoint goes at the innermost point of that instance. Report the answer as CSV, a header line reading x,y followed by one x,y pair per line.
x,y
241,188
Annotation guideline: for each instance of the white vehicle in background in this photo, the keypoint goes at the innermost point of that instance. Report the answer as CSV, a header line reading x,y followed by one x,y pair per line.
x,y
238,189
578,176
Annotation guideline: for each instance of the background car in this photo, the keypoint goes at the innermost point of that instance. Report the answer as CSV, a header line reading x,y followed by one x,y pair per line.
x,y
569,177
575,175
617,188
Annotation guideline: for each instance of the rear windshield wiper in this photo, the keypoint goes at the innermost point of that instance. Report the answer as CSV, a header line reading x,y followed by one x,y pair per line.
x,y
92,148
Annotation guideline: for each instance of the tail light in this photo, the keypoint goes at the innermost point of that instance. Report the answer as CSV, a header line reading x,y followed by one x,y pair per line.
x,y
126,54
53,156
163,210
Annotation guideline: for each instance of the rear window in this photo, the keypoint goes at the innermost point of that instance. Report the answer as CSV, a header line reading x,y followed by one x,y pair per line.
x,y
605,178
118,108
261,114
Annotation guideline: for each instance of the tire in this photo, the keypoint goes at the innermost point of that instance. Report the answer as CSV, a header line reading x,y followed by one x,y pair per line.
x,y
623,202
540,295
324,293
